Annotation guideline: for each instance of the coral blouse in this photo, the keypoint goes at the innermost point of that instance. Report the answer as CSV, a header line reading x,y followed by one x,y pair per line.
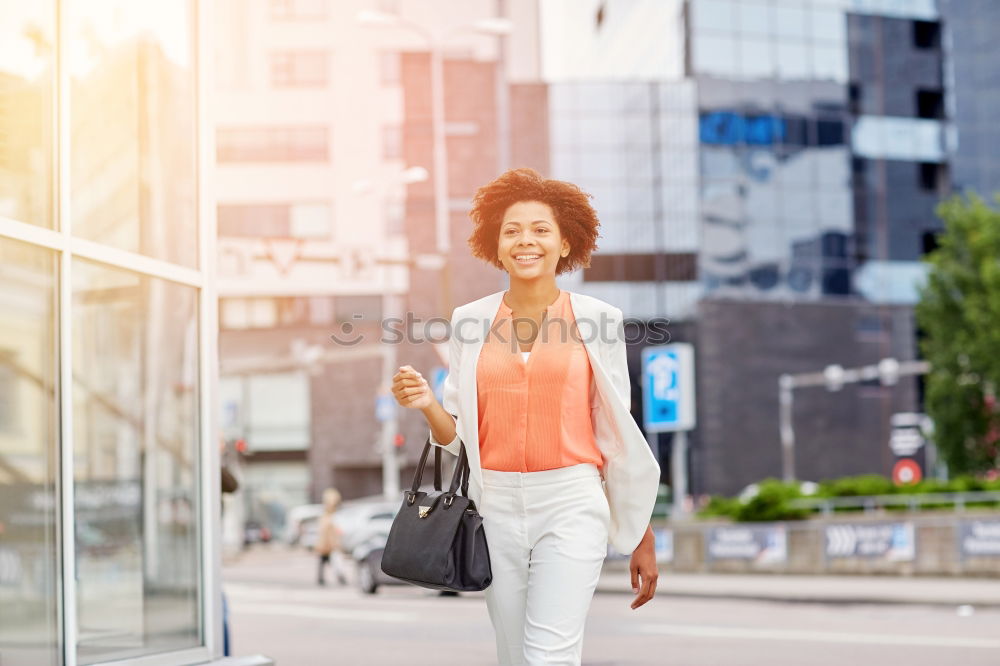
x,y
534,413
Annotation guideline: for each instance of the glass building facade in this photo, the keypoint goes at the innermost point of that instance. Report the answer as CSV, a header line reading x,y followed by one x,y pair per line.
x,y
634,147
108,469
822,146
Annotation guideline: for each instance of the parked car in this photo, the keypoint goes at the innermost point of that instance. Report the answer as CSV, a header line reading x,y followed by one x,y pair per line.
x,y
300,521
255,532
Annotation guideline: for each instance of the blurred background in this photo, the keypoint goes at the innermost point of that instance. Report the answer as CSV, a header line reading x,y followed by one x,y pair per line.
x,y
197,197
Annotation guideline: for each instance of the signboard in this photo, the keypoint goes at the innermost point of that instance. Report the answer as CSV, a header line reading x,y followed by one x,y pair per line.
x,y
891,542
384,407
664,544
979,538
906,471
668,388
764,544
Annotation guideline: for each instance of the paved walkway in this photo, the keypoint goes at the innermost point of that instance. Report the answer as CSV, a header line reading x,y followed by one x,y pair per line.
x,y
976,592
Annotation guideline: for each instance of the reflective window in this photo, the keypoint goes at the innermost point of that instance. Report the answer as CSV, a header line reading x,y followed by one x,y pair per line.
x,y
133,175
27,57
829,62
135,369
29,542
714,15
754,17
299,69
828,24
790,20
274,220
715,55
793,60
757,59
272,144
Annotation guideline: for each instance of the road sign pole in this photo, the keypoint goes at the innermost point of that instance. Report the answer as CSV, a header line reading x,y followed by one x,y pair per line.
x,y
678,475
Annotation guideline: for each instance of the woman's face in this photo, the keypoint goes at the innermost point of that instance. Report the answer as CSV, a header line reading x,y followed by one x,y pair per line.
x,y
530,243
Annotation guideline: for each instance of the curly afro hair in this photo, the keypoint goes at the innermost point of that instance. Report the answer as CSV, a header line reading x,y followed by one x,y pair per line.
x,y
576,218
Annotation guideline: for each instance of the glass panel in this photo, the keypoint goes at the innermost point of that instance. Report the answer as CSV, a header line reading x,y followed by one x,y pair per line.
x,y
793,60
790,20
135,366
714,15
757,59
133,127
754,17
829,62
715,55
27,54
29,418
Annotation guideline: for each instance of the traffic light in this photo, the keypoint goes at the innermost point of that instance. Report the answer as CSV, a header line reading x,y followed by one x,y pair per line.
x,y
398,440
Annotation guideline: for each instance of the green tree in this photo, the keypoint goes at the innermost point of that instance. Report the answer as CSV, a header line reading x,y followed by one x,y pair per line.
x,y
959,314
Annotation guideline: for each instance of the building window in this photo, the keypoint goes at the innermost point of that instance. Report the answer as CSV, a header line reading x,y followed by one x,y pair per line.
x,y
929,241
673,267
395,216
389,68
931,176
272,144
926,35
392,142
854,98
279,220
829,132
298,9
357,308
299,69
930,104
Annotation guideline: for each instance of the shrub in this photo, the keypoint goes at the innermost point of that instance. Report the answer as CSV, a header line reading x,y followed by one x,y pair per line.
x,y
771,503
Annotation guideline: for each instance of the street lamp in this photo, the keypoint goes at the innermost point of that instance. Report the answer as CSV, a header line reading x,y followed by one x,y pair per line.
x,y
491,26
833,377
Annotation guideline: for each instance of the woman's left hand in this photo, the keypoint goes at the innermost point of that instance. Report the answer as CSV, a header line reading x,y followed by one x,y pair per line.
x,y
643,568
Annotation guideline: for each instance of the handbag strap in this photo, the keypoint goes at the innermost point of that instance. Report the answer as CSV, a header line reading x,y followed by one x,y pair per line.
x,y
459,476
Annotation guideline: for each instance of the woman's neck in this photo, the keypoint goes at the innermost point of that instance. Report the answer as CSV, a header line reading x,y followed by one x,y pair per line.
x,y
531,296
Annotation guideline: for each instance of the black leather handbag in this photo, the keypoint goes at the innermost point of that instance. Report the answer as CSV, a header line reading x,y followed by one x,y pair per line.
x,y
437,539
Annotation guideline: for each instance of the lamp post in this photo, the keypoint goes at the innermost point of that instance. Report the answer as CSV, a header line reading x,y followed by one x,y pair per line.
x,y
833,377
498,27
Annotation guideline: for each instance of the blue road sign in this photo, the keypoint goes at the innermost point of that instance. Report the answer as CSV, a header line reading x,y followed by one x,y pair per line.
x,y
384,405
438,374
668,387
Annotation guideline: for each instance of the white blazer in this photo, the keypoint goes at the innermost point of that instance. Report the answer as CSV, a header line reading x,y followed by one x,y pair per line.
x,y
631,473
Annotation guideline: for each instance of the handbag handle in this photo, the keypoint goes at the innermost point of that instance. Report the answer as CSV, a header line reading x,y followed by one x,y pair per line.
x,y
459,476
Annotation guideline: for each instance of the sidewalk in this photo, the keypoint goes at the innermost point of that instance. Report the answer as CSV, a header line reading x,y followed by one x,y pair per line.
x,y
977,592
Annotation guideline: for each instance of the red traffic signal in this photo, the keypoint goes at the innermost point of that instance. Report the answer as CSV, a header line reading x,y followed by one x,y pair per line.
x,y
240,445
398,440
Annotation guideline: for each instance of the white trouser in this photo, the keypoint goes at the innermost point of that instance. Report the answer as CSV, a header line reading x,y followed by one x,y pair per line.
x,y
547,534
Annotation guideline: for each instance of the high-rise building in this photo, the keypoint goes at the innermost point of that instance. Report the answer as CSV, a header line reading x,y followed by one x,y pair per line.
x,y
327,217
767,172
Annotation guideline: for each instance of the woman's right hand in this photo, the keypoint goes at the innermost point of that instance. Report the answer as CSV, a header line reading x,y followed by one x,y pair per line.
x,y
411,389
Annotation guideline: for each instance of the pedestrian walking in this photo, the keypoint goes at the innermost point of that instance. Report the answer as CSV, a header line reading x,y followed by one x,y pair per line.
x,y
328,539
538,391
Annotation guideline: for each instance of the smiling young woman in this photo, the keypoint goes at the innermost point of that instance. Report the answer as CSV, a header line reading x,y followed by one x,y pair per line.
x,y
558,466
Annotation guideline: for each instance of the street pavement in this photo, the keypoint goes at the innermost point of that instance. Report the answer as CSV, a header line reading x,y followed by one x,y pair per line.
x,y
695,620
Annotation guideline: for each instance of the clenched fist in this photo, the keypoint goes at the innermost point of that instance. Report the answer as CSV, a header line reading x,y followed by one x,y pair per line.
x,y
411,389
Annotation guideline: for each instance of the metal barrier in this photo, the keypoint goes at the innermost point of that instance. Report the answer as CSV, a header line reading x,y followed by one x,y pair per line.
x,y
870,503
966,544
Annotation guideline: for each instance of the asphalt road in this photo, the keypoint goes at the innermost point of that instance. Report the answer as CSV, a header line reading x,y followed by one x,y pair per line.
x,y
277,610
